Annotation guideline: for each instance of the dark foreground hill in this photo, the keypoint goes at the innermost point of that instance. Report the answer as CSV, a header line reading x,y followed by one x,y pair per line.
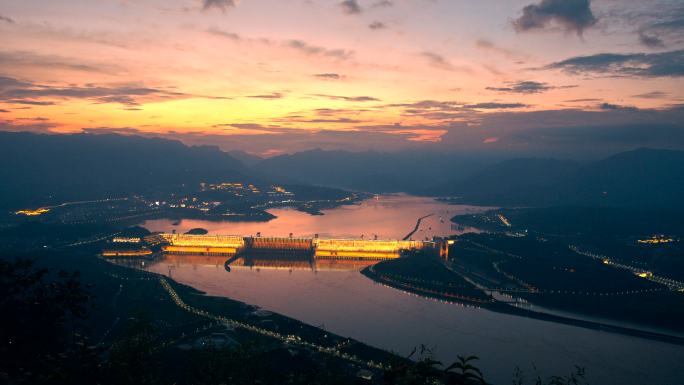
x,y
52,168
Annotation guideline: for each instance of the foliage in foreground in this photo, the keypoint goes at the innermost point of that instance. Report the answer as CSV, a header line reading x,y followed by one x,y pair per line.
x,y
44,340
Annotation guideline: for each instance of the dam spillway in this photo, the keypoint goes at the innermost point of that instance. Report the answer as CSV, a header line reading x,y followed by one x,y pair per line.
x,y
319,248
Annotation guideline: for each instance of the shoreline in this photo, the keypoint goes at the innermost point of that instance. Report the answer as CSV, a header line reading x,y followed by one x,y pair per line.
x,y
500,307
187,297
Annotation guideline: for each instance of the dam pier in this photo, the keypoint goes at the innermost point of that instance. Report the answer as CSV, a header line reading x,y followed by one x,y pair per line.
x,y
292,247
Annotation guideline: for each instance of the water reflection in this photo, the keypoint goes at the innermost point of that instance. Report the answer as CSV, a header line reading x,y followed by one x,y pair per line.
x,y
256,262
387,217
349,304
336,295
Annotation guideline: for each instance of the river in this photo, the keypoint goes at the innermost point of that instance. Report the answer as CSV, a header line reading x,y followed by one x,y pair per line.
x,y
338,298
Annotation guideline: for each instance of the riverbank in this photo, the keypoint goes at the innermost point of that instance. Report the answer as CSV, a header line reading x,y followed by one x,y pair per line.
x,y
349,304
431,280
424,275
239,315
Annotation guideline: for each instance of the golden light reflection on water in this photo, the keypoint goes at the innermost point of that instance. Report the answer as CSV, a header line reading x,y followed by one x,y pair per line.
x,y
265,263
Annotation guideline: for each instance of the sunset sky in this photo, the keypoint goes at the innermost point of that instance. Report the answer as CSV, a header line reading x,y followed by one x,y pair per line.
x,y
278,76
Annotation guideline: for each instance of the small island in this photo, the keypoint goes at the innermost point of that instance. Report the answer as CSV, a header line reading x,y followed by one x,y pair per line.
x,y
197,231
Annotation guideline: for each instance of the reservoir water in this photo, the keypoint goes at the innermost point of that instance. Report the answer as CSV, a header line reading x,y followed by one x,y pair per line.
x,y
337,297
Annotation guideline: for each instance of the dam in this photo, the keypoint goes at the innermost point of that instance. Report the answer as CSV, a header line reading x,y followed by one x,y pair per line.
x,y
318,248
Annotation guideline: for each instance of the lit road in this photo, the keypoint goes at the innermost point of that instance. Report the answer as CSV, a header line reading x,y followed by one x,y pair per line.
x,y
529,288
94,240
289,339
84,202
670,283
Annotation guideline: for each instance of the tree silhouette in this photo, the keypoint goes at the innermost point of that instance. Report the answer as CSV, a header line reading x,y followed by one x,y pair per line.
x,y
463,372
40,337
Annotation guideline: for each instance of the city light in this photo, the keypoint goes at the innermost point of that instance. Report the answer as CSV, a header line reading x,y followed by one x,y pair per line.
x,y
32,213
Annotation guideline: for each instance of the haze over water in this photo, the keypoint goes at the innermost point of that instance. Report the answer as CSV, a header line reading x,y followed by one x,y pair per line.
x,y
349,304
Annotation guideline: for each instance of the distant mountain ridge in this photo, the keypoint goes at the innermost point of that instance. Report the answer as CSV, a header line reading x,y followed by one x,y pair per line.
x,y
247,159
39,168
511,182
638,178
368,171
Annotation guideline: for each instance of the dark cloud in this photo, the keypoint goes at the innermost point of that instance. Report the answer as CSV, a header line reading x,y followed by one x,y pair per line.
x,y
350,7
664,26
322,120
494,106
338,111
657,135
382,4
451,111
571,132
27,102
218,4
572,15
3,111
14,91
309,49
617,107
488,45
247,126
330,76
274,95
663,64
652,95
348,98
36,119
438,61
17,59
651,41
526,87
430,105
676,24
18,126
584,100
126,95
226,34
115,130
435,110
254,128
567,133
296,44
377,25
6,19
7,83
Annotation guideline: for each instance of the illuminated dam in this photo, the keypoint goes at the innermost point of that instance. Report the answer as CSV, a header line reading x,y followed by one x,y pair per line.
x,y
231,245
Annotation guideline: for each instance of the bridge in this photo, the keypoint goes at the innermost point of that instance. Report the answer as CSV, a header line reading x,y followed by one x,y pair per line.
x,y
318,248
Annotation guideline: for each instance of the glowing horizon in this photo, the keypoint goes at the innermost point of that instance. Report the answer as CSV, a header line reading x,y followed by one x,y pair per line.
x,y
271,76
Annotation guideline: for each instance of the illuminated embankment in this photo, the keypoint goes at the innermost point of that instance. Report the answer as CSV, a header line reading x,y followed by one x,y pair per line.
x,y
358,249
202,244
316,247
127,253
204,240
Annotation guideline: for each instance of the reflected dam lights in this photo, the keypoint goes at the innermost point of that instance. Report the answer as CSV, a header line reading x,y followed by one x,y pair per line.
x,y
304,247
